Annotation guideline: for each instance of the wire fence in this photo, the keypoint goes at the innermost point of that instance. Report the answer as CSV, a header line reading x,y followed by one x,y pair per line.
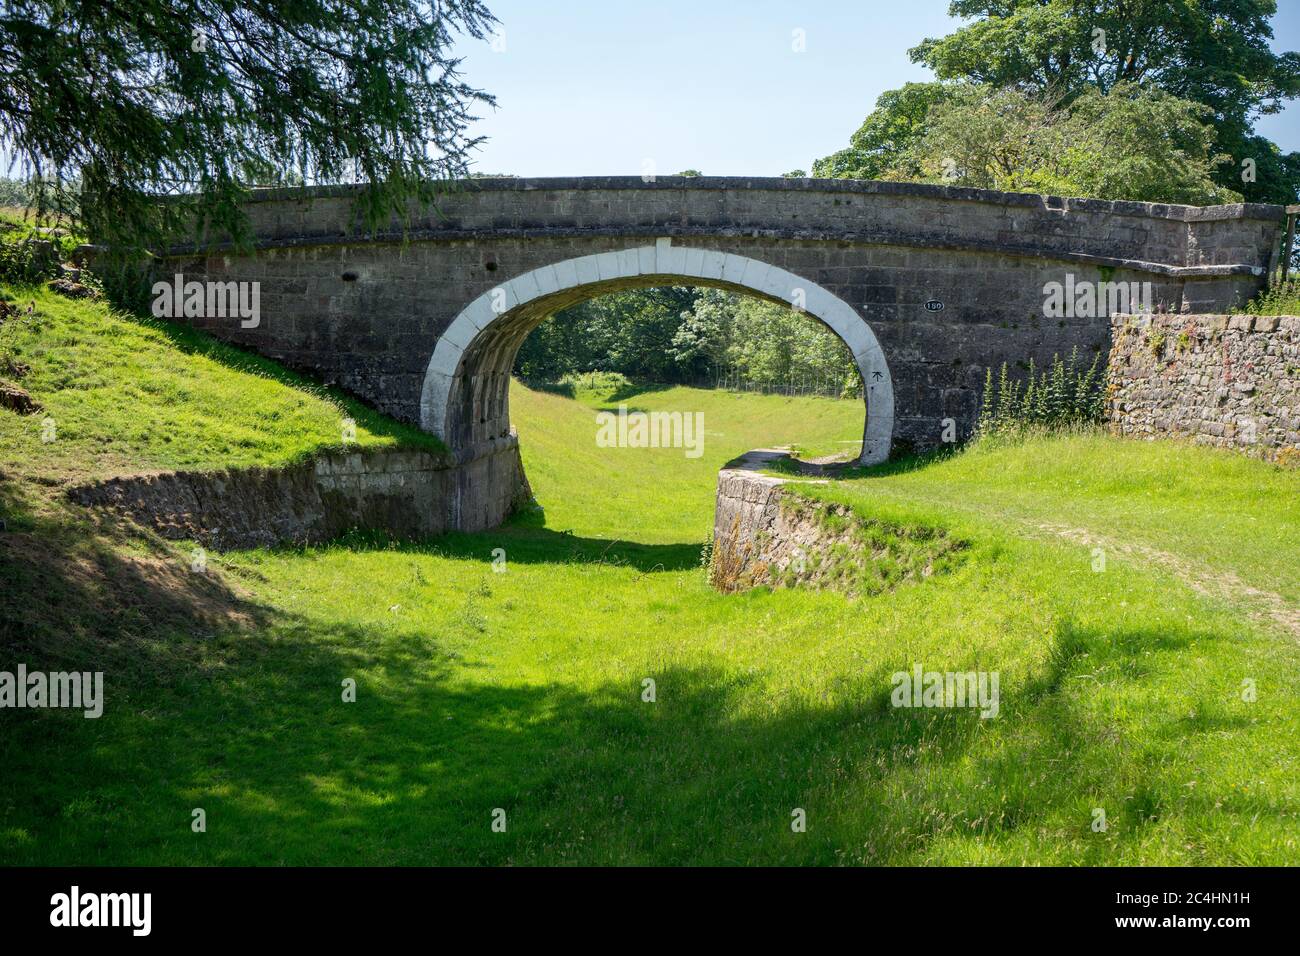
x,y
827,386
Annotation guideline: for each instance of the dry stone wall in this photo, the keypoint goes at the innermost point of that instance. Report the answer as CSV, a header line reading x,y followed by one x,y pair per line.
x,y
749,530
1226,380
404,493
765,535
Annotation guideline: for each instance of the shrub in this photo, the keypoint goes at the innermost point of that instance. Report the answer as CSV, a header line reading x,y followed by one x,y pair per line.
x,y
602,384
30,252
24,261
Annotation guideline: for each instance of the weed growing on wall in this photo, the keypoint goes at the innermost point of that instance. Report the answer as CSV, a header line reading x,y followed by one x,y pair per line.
x,y
1281,299
1065,395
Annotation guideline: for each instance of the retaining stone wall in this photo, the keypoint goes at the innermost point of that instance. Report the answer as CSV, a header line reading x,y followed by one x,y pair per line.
x,y
1226,380
405,493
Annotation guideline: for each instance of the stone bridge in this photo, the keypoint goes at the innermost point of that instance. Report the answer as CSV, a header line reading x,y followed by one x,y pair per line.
x,y
927,286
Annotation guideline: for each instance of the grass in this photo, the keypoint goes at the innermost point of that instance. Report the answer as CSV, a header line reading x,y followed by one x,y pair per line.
x,y
1211,508
17,224
128,394
524,690
659,495
1281,299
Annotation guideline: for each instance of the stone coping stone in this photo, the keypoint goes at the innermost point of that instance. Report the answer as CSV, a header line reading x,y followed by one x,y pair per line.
x,y
1173,211
1238,321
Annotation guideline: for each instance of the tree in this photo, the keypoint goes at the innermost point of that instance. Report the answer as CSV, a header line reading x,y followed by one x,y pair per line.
x,y
558,347
703,340
199,99
1144,144
634,330
762,342
679,334
630,332
1131,143
15,192
980,136
895,124
1213,52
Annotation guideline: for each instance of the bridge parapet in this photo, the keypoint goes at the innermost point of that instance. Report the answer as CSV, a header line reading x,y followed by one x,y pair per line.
x,y
1161,237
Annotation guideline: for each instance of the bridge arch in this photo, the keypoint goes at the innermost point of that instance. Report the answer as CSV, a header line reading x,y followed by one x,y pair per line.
x,y
465,396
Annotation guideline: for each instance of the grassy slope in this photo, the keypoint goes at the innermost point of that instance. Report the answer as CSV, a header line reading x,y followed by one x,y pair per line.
x,y
522,690
1130,696
130,395
1212,508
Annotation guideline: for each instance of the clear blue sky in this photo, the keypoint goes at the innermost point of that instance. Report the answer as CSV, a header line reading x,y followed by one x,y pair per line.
x,y
596,87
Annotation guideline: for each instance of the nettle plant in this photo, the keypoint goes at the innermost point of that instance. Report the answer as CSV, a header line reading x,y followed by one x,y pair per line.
x,y
1066,394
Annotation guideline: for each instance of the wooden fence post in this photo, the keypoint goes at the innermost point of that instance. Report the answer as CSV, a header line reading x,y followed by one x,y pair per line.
x,y
1291,213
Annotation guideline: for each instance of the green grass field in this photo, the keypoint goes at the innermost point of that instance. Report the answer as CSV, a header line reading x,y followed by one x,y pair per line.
x,y
1121,689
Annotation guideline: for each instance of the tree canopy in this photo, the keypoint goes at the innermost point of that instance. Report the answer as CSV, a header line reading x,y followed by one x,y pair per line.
x,y
751,340
688,335
1133,142
1093,58
114,102
1214,52
896,123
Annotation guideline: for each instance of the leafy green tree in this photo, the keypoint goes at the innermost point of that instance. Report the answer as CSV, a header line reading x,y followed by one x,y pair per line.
x,y
1213,52
761,342
558,347
629,332
980,136
635,330
199,99
703,340
15,192
678,334
1141,143
896,123
1132,143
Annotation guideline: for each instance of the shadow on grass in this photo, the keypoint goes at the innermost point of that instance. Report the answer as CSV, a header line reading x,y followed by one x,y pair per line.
x,y
88,591
586,773
602,400
563,389
216,701
633,390
904,464
526,542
